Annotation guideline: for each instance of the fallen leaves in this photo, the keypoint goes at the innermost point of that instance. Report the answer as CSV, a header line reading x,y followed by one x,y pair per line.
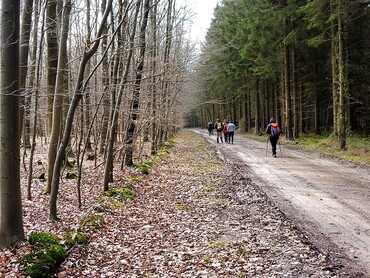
x,y
192,216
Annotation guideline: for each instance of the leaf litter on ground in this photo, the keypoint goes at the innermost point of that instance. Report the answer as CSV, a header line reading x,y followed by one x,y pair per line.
x,y
194,215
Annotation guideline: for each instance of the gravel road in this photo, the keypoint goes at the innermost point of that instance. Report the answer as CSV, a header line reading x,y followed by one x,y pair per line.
x,y
326,198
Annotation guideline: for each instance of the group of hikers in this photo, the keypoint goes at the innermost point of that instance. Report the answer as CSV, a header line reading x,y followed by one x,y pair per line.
x,y
225,132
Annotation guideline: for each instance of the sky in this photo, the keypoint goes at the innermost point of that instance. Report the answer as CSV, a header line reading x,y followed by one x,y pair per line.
x,y
204,14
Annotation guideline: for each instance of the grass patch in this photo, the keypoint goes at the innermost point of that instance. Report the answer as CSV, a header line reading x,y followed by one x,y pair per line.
x,y
179,207
125,192
217,244
145,167
207,259
91,221
133,179
74,238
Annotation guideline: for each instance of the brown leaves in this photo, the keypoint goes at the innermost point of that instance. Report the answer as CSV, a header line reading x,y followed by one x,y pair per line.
x,y
191,216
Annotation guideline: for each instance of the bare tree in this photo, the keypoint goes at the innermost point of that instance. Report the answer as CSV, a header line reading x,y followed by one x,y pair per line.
x,y
58,95
33,84
52,55
25,39
78,93
108,171
11,224
137,85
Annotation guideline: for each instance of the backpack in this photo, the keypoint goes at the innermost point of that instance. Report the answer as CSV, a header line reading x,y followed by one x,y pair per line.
x,y
275,129
219,127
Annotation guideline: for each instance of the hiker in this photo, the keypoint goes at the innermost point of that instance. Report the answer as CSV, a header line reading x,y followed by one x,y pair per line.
x,y
224,124
219,128
274,131
230,132
210,128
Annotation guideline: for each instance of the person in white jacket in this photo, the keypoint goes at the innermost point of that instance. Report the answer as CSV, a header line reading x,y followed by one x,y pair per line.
x,y
230,132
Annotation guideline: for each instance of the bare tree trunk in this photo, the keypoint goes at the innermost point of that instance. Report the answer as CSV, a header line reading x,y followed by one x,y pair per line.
x,y
316,101
257,107
108,170
341,78
58,95
136,95
334,75
25,39
106,99
87,110
162,133
154,54
78,93
288,101
11,224
34,84
295,94
52,56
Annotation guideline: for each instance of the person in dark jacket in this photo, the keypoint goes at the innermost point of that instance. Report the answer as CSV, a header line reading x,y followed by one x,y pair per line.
x,y
210,128
273,130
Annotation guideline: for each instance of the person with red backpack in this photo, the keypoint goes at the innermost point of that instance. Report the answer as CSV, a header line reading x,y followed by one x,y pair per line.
x,y
225,123
274,131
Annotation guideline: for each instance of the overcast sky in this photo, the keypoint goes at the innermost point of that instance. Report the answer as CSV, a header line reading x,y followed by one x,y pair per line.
x,y
204,14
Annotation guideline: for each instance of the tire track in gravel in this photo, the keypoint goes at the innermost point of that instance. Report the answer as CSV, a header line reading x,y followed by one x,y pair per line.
x,y
326,198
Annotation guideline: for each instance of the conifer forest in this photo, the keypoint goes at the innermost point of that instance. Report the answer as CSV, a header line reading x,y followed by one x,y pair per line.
x,y
305,62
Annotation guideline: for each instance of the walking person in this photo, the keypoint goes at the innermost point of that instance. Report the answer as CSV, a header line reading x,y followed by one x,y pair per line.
x,y
225,124
219,128
273,130
230,132
210,128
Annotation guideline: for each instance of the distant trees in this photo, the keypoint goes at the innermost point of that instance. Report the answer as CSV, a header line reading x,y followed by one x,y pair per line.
x,y
302,61
103,78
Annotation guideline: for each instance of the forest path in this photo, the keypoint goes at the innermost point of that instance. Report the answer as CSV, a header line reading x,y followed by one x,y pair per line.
x,y
326,198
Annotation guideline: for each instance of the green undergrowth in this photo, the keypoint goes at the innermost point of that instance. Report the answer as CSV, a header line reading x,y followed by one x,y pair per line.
x,y
165,149
48,252
126,192
145,167
358,146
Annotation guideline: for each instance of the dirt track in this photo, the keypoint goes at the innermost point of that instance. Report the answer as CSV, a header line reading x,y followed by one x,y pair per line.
x,y
326,198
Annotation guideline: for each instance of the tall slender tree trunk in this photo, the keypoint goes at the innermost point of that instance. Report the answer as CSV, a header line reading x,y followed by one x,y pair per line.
x,y
334,75
58,95
288,96
257,107
108,170
78,93
165,76
106,99
87,99
153,55
341,79
52,57
11,224
137,87
25,39
33,82
295,94
316,101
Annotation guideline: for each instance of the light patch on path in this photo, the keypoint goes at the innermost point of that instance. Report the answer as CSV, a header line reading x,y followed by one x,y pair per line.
x,y
326,196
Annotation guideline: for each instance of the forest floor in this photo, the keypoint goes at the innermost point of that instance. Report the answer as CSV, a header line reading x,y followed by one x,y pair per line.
x,y
196,214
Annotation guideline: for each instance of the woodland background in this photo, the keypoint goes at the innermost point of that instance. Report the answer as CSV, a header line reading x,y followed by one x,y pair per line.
x,y
304,61
112,81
